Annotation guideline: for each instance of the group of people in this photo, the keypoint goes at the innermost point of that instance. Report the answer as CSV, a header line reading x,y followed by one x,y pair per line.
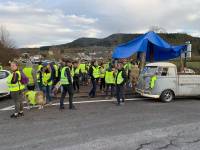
x,y
68,75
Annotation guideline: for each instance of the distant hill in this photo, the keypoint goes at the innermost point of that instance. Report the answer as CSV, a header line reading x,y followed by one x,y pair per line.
x,y
115,39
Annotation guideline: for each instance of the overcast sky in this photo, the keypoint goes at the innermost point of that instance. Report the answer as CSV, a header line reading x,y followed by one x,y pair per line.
x,y
33,23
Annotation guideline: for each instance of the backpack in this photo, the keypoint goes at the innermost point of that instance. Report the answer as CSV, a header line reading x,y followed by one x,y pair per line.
x,y
24,79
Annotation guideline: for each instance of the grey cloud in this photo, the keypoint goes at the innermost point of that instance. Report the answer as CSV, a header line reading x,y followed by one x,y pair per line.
x,y
61,20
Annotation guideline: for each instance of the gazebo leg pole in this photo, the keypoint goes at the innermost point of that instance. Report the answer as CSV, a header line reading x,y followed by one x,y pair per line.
x,y
142,60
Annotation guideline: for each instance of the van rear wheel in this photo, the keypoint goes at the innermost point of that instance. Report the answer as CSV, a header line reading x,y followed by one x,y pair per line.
x,y
167,96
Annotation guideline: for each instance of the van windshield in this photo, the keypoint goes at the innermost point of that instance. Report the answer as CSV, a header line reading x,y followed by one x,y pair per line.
x,y
149,70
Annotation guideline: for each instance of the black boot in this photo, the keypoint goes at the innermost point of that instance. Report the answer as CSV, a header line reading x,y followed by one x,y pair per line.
x,y
14,115
21,114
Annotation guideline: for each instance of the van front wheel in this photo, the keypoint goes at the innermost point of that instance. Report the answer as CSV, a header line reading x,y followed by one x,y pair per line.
x,y
167,96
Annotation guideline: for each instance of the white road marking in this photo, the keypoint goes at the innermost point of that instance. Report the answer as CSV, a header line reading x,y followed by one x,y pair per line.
x,y
78,102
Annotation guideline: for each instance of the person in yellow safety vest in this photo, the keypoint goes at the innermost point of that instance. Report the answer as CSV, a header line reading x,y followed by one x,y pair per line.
x,y
39,76
119,81
76,76
30,74
83,73
16,88
47,82
56,74
102,77
110,81
66,83
128,67
94,74
153,81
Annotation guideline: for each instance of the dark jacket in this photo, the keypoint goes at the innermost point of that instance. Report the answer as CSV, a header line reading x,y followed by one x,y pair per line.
x,y
15,78
90,72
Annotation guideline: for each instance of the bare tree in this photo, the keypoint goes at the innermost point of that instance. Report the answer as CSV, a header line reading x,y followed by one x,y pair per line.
x,y
5,39
7,48
157,29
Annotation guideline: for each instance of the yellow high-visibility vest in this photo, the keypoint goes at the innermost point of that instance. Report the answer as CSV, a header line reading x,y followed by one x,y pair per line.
x,y
109,77
63,79
28,71
82,67
119,78
153,81
96,72
31,95
102,72
17,86
46,79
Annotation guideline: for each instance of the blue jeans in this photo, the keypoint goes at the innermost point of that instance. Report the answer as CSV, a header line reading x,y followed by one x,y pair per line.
x,y
47,92
39,86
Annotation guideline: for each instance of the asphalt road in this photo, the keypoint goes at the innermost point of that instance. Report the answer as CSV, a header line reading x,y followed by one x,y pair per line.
x,y
139,125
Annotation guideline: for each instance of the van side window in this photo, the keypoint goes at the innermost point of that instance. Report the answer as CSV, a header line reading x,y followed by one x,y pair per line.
x,y
164,72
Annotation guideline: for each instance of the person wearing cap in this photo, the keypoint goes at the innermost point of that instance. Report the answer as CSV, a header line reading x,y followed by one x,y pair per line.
x,y
16,88
66,82
120,81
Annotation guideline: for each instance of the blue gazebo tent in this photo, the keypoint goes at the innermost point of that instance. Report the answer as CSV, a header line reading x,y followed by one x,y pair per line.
x,y
155,47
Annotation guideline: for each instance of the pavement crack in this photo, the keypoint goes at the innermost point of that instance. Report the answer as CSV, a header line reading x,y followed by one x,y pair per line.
x,y
141,146
194,141
171,143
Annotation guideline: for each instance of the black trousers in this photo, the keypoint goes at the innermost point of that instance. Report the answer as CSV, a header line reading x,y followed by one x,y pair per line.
x,y
102,83
93,90
120,93
76,83
112,89
31,87
65,89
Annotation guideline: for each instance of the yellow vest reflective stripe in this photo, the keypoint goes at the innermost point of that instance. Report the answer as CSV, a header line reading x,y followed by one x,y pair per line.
x,y
56,70
109,77
38,76
45,79
15,87
72,71
96,72
63,79
28,73
153,81
119,78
